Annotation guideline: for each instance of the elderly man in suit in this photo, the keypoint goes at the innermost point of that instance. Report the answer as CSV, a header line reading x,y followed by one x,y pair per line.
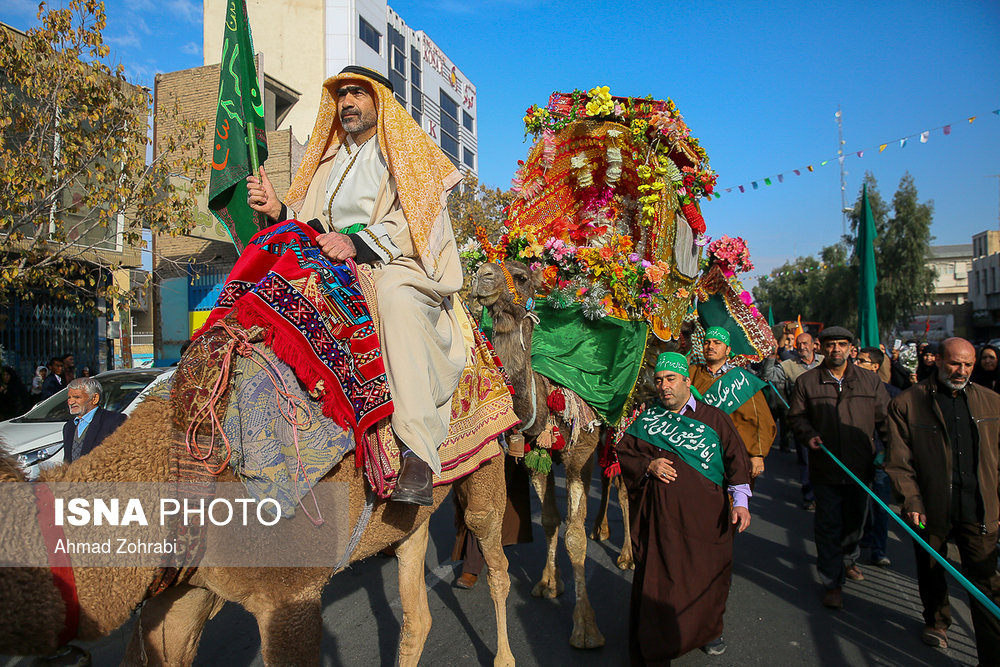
x,y
90,423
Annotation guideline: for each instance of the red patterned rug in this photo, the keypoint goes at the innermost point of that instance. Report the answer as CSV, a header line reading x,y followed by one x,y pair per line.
x,y
315,319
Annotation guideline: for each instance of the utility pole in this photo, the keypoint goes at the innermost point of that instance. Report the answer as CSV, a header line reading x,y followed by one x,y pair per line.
x,y
843,181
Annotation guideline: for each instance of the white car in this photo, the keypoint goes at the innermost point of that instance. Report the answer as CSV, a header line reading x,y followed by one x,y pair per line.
x,y
36,437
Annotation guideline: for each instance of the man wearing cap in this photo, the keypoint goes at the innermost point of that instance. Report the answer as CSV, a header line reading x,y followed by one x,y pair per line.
x,y
376,185
837,408
682,461
738,393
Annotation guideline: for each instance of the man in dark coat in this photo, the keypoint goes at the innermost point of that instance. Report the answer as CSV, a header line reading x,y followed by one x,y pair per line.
x,y
683,462
90,424
53,383
840,406
943,459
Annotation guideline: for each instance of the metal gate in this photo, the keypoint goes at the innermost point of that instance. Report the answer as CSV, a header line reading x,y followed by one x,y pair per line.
x,y
33,331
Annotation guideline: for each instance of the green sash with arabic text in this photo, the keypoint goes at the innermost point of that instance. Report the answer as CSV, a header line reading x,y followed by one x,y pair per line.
x,y
696,443
733,389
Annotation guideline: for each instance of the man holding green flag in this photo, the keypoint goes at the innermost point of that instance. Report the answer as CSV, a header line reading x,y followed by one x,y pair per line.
x,y
867,277
682,461
738,393
239,116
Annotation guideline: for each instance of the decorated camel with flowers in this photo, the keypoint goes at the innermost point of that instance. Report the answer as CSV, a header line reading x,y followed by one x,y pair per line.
x,y
600,261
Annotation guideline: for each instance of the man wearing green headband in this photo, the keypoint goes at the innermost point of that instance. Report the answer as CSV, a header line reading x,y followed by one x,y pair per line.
x,y
737,392
687,475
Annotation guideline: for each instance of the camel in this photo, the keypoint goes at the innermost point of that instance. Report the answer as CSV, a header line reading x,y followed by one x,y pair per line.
x,y
512,332
285,601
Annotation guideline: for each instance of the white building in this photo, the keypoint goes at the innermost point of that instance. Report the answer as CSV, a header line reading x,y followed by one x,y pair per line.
x,y
951,264
305,42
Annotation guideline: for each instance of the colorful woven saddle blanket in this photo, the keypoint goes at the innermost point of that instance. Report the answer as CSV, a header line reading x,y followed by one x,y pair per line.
x,y
281,442
315,319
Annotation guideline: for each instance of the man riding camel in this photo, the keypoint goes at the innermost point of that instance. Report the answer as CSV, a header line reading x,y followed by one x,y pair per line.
x,y
376,185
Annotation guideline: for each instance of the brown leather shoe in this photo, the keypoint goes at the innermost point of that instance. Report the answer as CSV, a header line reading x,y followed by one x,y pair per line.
x,y
415,484
934,637
854,573
466,580
833,598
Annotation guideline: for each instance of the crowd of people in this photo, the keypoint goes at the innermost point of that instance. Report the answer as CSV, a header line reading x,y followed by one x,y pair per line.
x,y
926,438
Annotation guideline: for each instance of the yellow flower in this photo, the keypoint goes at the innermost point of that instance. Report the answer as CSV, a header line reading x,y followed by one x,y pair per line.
x,y
644,172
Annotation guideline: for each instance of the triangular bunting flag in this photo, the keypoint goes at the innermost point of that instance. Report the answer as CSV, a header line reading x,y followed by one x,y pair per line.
x,y
861,153
823,163
947,129
797,172
996,112
902,143
882,147
741,189
810,167
971,119
781,178
754,184
767,181
924,136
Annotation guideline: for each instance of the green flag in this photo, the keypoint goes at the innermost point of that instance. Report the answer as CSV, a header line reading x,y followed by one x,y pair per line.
x,y
770,316
865,251
240,114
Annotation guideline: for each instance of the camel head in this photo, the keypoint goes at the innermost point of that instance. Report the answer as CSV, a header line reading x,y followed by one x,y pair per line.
x,y
506,287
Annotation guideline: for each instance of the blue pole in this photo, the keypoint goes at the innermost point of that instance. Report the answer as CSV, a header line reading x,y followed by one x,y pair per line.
x,y
966,584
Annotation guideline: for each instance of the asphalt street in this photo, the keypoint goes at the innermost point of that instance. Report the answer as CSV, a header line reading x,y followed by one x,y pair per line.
x,y
774,615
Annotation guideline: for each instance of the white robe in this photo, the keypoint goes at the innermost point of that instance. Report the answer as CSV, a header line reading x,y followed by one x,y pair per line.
x,y
425,337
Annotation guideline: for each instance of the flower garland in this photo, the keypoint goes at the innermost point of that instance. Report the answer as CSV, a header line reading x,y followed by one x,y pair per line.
x,y
607,190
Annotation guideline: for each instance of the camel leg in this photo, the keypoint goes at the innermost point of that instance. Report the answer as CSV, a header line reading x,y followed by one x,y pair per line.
x,y
486,502
291,631
412,554
601,531
585,633
170,626
625,561
551,583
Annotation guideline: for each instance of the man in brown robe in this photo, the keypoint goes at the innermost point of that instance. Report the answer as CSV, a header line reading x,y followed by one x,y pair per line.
x,y
752,418
682,461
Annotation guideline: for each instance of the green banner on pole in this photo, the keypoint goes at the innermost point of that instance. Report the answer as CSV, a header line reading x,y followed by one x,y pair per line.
x,y
867,277
239,115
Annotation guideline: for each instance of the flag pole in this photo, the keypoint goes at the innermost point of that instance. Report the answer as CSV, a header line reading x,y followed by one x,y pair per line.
x,y
252,140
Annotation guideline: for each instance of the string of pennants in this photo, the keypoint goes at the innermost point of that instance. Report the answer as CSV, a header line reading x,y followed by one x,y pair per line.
x,y
923,137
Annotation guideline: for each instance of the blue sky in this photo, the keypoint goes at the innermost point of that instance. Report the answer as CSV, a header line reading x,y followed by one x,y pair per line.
x,y
758,83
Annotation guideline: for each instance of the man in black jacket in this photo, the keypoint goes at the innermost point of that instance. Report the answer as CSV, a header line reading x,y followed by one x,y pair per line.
x,y
840,406
53,383
90,424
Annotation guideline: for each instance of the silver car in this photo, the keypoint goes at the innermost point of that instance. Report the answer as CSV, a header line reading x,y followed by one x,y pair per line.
x,y
36,437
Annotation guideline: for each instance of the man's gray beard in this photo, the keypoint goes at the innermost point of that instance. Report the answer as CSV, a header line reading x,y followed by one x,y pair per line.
x,y
362,126
946,381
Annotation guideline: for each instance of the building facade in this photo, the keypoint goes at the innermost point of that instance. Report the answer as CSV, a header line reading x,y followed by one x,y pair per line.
x,y
951,264
289,36
984,284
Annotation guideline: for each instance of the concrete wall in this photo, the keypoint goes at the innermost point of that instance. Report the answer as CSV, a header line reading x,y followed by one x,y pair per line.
x,y
292,49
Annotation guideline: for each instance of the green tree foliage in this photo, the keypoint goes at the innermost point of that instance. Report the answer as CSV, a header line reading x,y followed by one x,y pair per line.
x,y
473,204
825,288
76,188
